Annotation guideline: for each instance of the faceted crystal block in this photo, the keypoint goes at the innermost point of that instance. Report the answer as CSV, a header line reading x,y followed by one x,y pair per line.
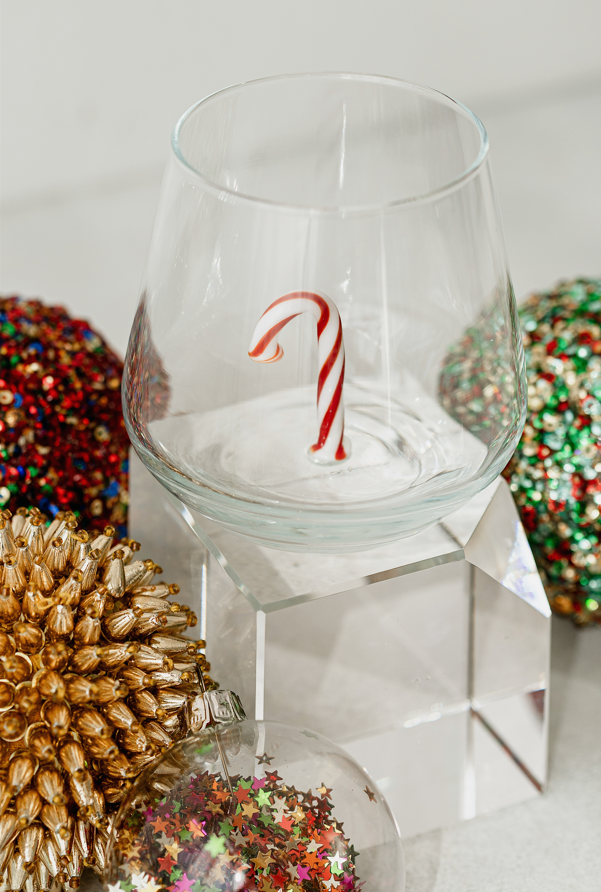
x,y
427,659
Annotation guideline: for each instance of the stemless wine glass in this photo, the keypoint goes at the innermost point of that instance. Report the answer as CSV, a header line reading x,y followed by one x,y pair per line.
x,y
364,203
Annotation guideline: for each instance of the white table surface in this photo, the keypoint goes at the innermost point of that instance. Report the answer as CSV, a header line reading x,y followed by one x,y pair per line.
x,y
87,251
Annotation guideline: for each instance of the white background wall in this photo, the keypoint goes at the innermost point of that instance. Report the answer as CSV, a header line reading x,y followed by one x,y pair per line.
x,y
92,88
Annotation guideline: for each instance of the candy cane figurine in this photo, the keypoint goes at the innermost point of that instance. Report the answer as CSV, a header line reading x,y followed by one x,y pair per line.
x,y
264,347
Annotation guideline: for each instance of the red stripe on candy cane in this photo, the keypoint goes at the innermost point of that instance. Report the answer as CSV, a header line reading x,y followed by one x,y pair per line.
x,y
264,347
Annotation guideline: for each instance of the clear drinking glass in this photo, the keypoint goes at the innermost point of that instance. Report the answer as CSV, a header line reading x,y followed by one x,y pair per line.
x,y
362,196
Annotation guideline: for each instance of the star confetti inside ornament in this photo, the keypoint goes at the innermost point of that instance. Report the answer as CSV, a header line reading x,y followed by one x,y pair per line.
x,y
63,443
262,828
96,681
229,859
555,474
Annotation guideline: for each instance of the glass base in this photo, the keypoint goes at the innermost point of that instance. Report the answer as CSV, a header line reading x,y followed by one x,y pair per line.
x,y
426,658
262,448
408,465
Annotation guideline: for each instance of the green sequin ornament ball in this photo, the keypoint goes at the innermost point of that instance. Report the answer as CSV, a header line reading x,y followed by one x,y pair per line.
x,y
555,474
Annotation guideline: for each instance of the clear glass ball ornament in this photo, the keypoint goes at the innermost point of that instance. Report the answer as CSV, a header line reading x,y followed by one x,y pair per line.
x,y
256,806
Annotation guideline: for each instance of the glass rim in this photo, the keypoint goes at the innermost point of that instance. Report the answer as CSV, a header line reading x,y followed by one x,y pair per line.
x,y
451,186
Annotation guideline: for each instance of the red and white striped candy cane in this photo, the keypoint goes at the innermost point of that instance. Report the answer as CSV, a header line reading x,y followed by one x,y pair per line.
x,y
264,347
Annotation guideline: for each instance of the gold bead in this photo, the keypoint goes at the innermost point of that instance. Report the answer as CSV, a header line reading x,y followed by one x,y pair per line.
x,y
165,679
56,557
113,656
35,605
29,638
88,567
42,876
151,622
134,741
29,842
55,656
139,761
100,854
135,678
51,685
69,591
149,603
28,805
82,788
119,767
18,668
27,699
87,631
121,716
24,556
169,645
81,547
21,769
84,837
134,574
80,689
90,723
172,724
72,756
149,659
7,645
145,704
157,734
17,874
40,742
34,535
10,608
103,543
51,530
101,748
7,694
86,659
95,602
8,828
178,622
6,794
114,791
162,590
59,623
72,542
56,819
41,578
118,625
49,856
7,541
57,716
171,700
114,575
18,521
49,784
108,689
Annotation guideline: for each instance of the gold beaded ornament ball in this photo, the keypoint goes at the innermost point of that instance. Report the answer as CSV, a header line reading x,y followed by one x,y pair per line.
x,y
95,675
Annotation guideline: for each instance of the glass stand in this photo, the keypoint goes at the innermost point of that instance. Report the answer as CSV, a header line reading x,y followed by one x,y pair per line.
x,y
427,659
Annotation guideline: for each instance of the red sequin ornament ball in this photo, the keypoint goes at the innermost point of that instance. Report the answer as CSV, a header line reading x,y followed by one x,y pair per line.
x,y
63,443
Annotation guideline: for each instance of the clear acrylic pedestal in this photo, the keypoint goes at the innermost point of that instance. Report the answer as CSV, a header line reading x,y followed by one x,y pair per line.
x,y
427,659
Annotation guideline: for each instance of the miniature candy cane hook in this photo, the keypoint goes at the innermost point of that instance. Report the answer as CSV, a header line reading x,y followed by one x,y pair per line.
x,y
264,347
